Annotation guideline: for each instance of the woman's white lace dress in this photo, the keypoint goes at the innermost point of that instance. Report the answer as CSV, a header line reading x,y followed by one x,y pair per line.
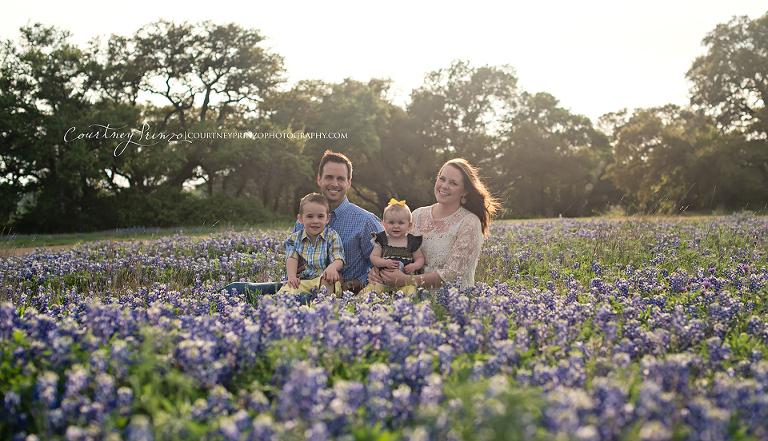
x,y
451,244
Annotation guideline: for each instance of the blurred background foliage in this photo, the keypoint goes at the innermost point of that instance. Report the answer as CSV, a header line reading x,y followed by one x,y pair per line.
x,y
169,78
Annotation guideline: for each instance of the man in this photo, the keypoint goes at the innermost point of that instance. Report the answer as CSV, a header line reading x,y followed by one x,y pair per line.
x,y
353,224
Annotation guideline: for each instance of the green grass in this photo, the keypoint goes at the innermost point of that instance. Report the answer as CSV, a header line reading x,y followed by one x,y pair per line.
x,y
9,240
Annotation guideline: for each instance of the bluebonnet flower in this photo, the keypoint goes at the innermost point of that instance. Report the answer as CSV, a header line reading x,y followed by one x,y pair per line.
x,y
47,389
565,410
77,380
11,406
305,393
119,359
655,430
655,404
432,392
673,373
718,351
124,400
139,429
253,400
416,369
403,404
346,397
706,421
233,427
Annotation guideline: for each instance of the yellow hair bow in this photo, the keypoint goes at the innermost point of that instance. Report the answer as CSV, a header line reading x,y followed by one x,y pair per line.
x,y
394,201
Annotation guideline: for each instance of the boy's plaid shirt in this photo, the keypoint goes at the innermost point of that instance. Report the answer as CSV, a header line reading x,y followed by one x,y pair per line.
x,y
319,255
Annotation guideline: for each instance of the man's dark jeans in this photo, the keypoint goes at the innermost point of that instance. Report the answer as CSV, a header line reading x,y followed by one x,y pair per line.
x,y
252,291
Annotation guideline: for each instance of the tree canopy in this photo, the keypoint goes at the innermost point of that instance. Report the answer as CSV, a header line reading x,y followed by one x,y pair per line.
x,y
98,137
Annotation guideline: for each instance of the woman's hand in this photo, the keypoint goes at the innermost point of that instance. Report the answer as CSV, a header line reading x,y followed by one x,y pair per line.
x,y
394,278
374,275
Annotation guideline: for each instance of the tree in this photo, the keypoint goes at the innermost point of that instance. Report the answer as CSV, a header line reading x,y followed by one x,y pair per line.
x,y
402,168
61,104
205,77
549,160
459,109
663,160
730,81
44,97
358,111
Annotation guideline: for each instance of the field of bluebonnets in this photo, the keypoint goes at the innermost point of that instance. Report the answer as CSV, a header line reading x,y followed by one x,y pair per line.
x,y
639,329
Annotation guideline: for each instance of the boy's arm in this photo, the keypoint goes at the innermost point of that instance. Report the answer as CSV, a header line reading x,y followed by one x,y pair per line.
x,y
418,262
336,254
336,248
331,272
336,265
291,266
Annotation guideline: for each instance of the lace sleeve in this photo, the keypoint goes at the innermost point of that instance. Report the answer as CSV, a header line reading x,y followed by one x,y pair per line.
x,y
415,222
465,250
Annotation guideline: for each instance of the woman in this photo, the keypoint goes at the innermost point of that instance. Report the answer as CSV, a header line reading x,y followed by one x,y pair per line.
x,y
452,230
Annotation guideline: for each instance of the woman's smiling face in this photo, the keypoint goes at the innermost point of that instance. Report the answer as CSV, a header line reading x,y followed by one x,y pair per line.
x,y
449,187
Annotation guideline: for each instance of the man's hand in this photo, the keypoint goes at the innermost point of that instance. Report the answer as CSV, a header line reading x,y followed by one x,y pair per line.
x,y
301,268
394,278
374,275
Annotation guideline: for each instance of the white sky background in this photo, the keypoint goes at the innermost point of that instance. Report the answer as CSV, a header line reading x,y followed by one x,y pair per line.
x,y
595,56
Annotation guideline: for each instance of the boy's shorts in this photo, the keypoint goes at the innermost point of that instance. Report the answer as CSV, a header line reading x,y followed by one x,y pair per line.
x,y
306,285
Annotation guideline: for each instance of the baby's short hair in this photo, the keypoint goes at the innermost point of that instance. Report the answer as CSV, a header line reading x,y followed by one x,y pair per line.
x,y
314,198
396,208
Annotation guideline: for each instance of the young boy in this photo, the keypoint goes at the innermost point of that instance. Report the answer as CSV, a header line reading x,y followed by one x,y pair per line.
x,y
318,245
394,248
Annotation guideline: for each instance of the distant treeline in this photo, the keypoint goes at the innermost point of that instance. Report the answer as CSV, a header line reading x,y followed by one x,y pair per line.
x,y
190,124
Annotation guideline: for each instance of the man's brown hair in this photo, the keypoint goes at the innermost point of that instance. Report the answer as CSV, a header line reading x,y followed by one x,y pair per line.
x,y
330,156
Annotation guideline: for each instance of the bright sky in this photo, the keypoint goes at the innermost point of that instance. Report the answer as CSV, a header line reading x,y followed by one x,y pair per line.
x,y
595,56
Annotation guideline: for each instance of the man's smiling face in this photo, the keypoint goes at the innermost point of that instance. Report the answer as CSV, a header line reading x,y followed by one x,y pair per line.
x,y
334,183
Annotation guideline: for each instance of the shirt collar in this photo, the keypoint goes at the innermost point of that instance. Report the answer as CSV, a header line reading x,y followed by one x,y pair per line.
x,y
323,234
342,208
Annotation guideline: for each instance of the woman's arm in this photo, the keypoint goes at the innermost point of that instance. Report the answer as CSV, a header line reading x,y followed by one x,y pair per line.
x,y
465,249
398,279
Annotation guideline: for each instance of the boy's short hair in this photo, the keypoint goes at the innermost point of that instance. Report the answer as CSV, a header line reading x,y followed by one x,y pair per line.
x,y
338,158
314,198
396,208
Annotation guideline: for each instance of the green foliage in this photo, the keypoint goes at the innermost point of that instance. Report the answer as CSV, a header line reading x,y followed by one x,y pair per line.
x,y
540,159
164,393
730,78
506,413
166,207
